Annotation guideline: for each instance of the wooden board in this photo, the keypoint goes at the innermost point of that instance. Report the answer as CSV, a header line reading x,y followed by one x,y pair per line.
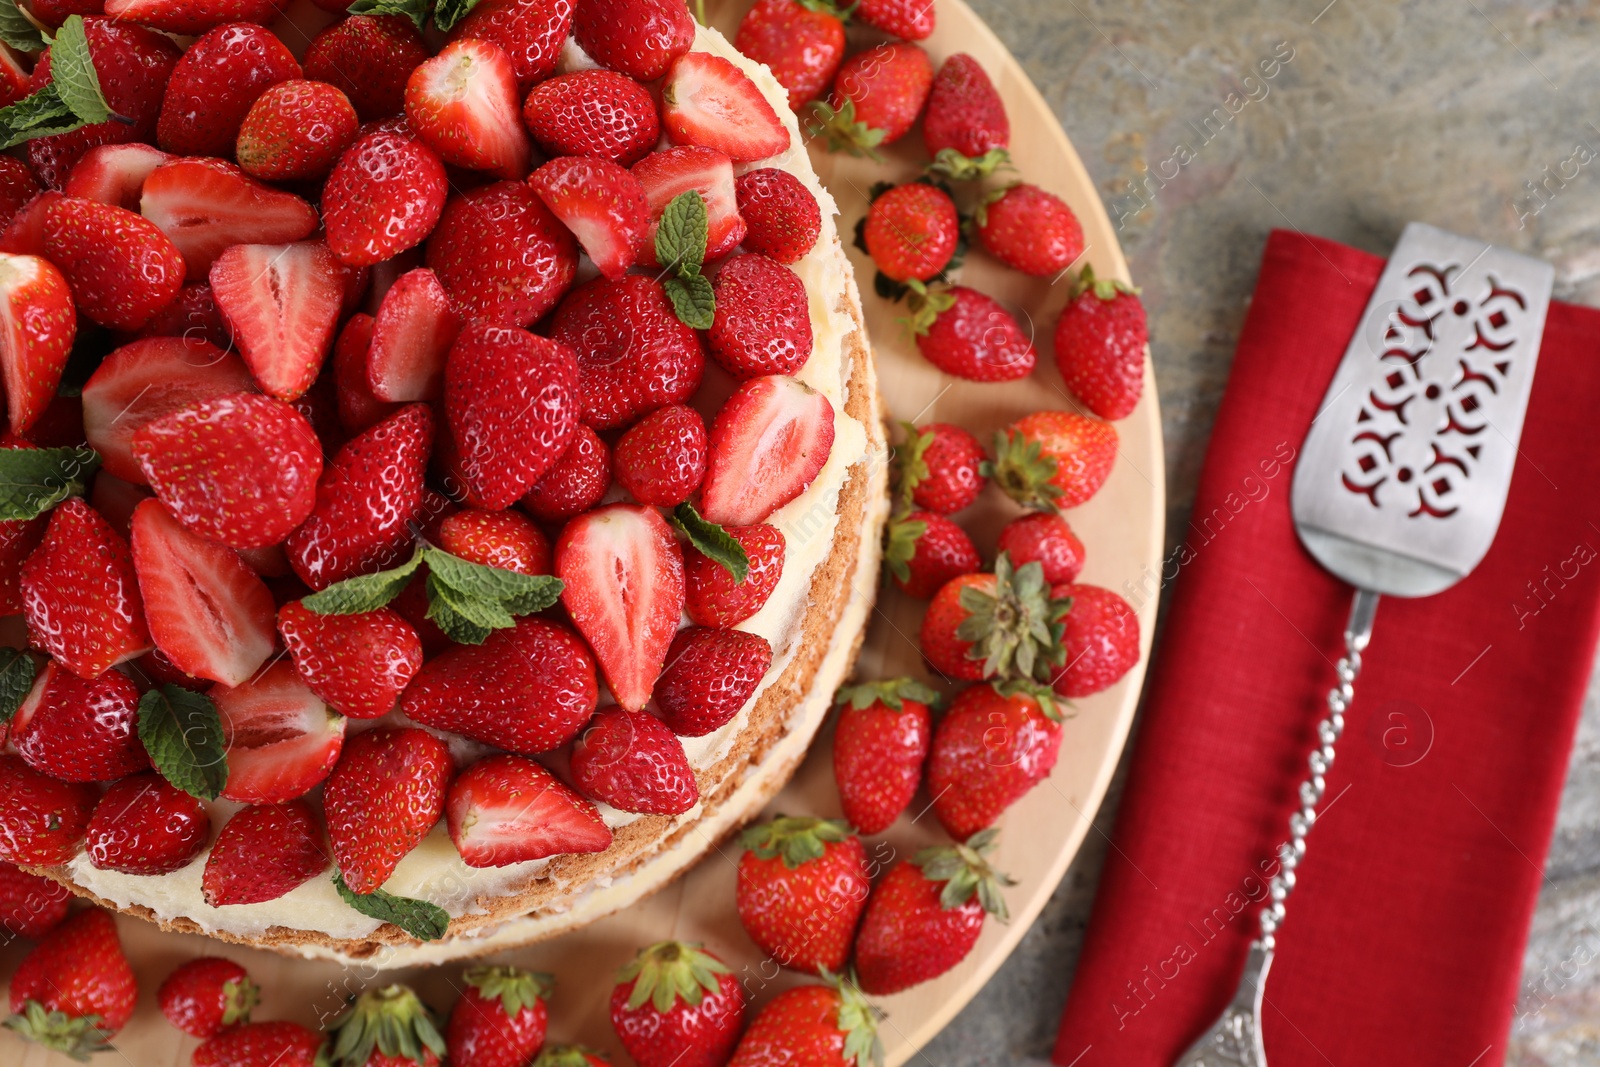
x,y
1121,526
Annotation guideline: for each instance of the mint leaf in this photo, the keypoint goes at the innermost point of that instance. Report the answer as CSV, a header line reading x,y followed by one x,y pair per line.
x,y
34,480
182,732
17,671
455,627
470,600
39,114
415,10
682,234
693,300
73,75
18,30
479,611
366,592
420,919
484,582
711,540
450,12
536,599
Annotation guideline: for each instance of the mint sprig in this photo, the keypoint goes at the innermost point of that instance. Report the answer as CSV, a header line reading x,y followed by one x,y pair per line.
x,y
18,30
17,671
711,541
446,13
34,480
182,732
419,918
70,100
681,238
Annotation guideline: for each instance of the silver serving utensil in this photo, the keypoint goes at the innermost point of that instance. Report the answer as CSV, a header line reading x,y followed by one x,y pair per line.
x,y
1399,490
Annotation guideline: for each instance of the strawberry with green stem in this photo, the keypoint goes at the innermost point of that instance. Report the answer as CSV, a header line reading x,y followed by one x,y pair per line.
x,y
385,1027
828,1025
802,883
1001,625
879,743
75,990
1100,341
877,96
924,551
994,744
677,1005
500,1019
1052,460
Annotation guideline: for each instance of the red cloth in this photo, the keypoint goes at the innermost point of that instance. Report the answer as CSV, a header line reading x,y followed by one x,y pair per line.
x,y
1404,938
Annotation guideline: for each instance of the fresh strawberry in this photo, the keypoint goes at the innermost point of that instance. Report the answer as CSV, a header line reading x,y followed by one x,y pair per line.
x,y
768,443
965,128
912,231
80,729
121,268
366,501
17,187
296,129
43,820
1001,625
18,539
781,215
14,77
994,744
1100,341
828,1025
633,762
384,796
24,234
206,205
595,113
673,171
269,1044
207,995
75,990
531,32
603,205
879,743
358,663
214,84
575,483
80,595
712,595
940,467
802,883
707,101
912,20
52,13
384,195
1030,230
877,95
1053,459
501,539
926,914
369,58
411,335
763,318
240,469
1102,640
501,254
963,332
661,460
463,104
30,904
146,825
37,327
358,409
282,303
500,1019
282,739
640,38
1047,538
384,1027
262,853
114,173
526,689
710,675
508,809
634,354
801,43
189,17
677,1005
924,551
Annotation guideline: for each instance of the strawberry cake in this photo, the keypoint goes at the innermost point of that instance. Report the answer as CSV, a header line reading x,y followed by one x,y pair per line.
x,y
480,485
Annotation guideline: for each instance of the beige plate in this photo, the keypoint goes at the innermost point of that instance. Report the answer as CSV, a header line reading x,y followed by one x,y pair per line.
x,y
1122,527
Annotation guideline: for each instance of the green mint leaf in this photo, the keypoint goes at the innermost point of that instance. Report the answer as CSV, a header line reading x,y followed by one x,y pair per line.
x,y
693,301
711,540
415,10
682,234
479,611
18,30
72,73
40,114
536,599
34,480
17,671
183,734
488,583
420,919
367,592
449,12
455,626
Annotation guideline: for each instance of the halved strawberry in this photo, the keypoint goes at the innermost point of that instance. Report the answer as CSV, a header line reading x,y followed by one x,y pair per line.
x,y
509,809
383,798
282,303
282,739
121,268
208,612
706,100
114,173
411,335
624,589
671,171
144,380
464,104
37,327
206,205
601,203
262,853
767,444
358,663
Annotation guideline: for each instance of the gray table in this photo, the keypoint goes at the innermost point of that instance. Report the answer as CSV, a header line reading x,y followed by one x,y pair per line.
x,y
1448,111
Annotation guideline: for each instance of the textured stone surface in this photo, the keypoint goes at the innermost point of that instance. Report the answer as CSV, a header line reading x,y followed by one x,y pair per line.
x,y
1438,110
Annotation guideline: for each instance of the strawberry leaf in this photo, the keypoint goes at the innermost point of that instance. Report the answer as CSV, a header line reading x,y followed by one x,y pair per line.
x,y
449,12
17,671
18,30
34,480
183,734
366,592
73,75
900,544
711,541
892,693
415,10
949,163
682,234
693,301
419,918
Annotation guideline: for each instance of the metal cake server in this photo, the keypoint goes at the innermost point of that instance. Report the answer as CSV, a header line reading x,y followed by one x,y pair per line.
x,y
1399,490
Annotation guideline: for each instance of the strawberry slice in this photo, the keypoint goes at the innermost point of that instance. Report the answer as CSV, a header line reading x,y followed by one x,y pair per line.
x,y
37,327
114,173
671,171
415,326
708,101
122,269
624,589
509,809
262,853
208,612
383,798
464,105
602,204
282,304
282,739
142,381
358,663
767,444
205,205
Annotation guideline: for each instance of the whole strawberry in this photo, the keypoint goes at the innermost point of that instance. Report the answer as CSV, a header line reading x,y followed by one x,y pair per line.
x,y
575,483
500,1019
502,256
963,332
43,819
1100,341
876,97
829,1025
926,914
595,113
80,729
965,128
369,58
383,797
879,743
503,539
940,466
709,676
214,84
358,663
801,43
530,31
715,597
632,761
763,318
1053,459
1046,538
994,744
296,130
205,996
145,825
802,884
263,852
30,904
74,990
1001,625
273,1044
383,196
911,19
1102,640
640,38
385,1027
912,231
677,1005
782,218
924,552
661,459
1030,230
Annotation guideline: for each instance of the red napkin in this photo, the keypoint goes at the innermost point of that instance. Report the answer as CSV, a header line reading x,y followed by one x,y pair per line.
x,y
1403,941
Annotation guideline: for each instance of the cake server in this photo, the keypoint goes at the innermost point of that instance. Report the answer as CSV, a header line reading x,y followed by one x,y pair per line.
x,y
1399,490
